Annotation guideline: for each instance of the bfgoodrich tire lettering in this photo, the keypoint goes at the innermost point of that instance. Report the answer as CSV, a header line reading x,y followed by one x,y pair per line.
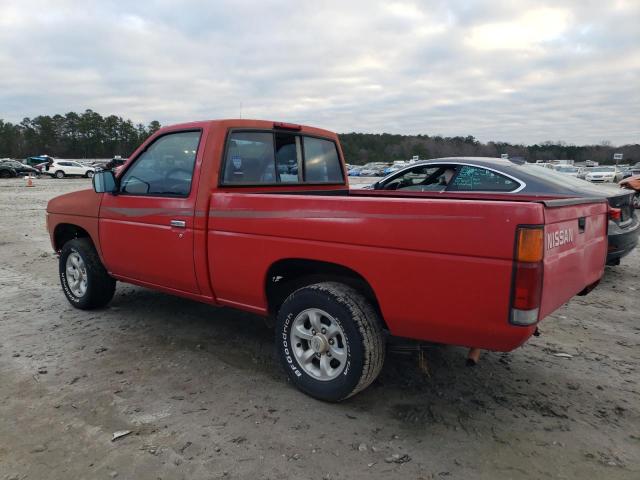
x,y
79,259
362,341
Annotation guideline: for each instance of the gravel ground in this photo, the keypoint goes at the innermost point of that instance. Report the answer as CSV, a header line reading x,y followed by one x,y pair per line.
x,y
203,396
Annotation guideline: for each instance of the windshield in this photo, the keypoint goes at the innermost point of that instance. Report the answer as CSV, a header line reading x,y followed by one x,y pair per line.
x,y
567,169
602,169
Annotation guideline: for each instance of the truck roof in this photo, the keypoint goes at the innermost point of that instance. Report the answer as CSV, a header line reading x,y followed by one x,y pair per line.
x,y
251,123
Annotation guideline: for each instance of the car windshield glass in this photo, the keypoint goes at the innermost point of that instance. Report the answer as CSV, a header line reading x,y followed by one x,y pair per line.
x,y
602,169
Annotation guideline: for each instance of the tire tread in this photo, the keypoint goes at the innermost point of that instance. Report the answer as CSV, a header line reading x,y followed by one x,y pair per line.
x,y
102,284
367,321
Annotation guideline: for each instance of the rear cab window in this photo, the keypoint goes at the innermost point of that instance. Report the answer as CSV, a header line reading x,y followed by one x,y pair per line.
x,y
278,158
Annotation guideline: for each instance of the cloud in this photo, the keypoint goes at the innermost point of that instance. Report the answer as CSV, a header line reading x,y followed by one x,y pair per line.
x,y
528,32
499,70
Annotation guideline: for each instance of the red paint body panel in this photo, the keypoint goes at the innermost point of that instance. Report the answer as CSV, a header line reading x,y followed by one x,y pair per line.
x,y
440,265
137,239
76,208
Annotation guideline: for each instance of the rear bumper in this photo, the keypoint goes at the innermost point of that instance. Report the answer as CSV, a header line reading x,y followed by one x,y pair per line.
x,y
622,241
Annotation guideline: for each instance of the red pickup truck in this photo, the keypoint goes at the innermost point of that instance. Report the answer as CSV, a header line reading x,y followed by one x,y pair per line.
x,y
258,215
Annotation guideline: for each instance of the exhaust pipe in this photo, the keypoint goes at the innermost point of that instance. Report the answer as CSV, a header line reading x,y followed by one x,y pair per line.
x,y
473,357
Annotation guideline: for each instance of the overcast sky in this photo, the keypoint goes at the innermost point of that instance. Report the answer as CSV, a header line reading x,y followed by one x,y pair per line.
x,y
518,71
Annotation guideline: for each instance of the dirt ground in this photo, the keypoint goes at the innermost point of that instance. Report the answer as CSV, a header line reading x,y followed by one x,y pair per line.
x,y
203,396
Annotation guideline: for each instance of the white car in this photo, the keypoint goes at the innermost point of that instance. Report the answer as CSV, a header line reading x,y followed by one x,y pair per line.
x,y
67,168
603,174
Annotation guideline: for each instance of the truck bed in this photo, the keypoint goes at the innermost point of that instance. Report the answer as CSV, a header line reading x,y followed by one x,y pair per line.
x,y
441,267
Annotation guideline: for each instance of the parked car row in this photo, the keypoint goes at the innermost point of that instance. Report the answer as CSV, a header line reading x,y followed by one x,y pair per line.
x,y
13,168
44,165
114,163
599,174
493,175
376,169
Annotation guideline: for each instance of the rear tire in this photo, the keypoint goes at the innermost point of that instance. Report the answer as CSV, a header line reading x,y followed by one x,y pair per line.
x,y
89,174
85,282
59,174
344,357
5,174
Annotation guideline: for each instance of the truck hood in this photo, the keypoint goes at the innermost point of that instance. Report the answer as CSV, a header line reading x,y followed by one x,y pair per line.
x,y
85,203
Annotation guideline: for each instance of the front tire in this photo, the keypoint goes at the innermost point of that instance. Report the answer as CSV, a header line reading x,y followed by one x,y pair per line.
x,y
59,174
330,341
84,280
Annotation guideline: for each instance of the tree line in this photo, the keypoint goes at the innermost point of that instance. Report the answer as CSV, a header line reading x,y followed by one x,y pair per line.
x,y
90,135
361,148
73,135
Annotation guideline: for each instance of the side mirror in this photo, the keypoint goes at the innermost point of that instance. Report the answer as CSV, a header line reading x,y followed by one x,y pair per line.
x,y
105,182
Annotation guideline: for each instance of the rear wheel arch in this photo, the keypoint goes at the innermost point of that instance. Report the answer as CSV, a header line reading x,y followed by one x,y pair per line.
x,y
288,275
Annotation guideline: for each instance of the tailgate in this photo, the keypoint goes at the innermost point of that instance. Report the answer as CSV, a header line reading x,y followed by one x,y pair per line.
x,y
575,249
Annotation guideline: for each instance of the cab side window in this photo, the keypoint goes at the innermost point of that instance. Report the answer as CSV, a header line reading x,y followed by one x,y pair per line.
x,y
478,179
288,153
250,159
165,167
268,158
321,162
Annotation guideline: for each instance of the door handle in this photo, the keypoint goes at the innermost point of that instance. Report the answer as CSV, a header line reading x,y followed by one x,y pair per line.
x,y
178,223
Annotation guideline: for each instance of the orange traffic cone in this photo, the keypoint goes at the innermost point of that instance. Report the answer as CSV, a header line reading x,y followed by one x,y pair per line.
x,y
30,181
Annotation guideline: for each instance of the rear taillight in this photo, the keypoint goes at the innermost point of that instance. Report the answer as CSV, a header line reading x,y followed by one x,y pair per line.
x,y
615,214
526,290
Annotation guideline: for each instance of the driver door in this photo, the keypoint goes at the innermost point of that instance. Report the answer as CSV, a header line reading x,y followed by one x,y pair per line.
x,y
146,229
